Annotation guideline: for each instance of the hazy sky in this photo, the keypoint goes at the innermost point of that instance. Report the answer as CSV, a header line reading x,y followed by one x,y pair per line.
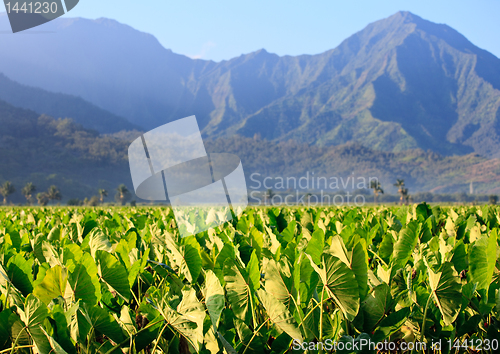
x,y
222,29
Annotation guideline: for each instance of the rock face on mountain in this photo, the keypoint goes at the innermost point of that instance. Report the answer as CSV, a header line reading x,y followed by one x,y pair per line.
x,y
400,83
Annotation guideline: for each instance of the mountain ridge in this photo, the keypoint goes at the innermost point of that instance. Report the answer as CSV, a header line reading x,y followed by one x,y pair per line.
x,y
39,149
400,83
62,106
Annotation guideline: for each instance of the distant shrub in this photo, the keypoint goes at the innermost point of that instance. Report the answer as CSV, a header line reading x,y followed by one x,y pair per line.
x,y
74,202
94,201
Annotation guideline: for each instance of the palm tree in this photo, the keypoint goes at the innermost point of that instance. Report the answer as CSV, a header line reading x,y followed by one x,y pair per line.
x,y
377,188
53,193
43,199
102,194
400,183
6,190
407,197
269,195
28,191
122,193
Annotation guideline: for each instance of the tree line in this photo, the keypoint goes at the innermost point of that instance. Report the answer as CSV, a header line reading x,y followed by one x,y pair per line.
x,y
405,198
43,198
54,194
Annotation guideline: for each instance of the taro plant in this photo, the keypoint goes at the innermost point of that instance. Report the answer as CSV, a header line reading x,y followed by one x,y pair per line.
x,y
274,280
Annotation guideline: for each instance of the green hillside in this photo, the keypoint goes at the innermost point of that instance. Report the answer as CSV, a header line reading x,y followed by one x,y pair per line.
x,y
40,149
46,151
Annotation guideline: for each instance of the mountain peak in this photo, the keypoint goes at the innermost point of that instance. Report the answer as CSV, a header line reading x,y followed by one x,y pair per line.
x,y
402,82
407,16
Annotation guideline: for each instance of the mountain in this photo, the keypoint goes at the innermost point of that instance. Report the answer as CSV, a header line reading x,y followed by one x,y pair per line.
x,y
401,83
62,106
46,151
111,65
422,171
40,149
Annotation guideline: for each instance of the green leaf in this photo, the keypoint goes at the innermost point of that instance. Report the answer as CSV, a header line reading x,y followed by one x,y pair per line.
x,y
61,327
53,345
137,268
4,328
191,310
84,281
254,342
214,295
53,285
51,255
34,314
315,245
391,324
277,283
113,273
253,271
20,273
185,259
386,247
279,315
97,241
482,259
337,248
446,290
103,322
186,319
359,265
403,249
289,232
340,283
356,260
55,233
376,305
459,258
239,290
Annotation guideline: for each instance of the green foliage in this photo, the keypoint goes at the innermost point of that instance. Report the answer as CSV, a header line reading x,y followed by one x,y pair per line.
x,y
96,279
6,190
28,191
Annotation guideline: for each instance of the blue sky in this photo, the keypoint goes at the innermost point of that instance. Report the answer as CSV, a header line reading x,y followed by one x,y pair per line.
x,y
222,29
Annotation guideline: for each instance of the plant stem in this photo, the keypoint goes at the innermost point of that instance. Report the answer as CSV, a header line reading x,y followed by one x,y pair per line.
x,y
17,338
253,336
159,337
299,310
422,331
321,319
20,347
118,346
377,256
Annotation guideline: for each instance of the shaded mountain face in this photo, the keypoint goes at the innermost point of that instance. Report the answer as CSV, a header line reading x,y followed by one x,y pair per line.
x,y
401,83
62,106
40,149
46,151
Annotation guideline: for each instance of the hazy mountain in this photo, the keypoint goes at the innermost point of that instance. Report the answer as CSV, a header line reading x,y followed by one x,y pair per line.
x,y
109,64
400,83
62,106
40,149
